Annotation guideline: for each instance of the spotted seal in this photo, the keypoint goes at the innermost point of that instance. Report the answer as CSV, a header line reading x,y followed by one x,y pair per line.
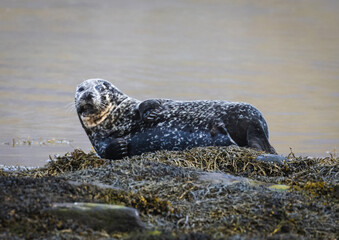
x,y
118,125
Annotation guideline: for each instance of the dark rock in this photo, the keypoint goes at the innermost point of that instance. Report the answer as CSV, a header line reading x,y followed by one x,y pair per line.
x,y
112,218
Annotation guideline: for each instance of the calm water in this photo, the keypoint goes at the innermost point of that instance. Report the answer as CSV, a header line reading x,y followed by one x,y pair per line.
x,y
282,56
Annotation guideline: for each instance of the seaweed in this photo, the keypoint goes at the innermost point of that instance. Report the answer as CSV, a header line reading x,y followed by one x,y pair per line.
x,y
74,161
293,200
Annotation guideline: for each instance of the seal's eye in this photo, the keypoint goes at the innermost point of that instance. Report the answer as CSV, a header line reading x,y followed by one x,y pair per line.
x,y
81,89
100,88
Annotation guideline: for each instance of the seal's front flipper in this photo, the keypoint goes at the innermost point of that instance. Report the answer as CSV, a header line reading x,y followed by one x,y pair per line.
x,y
257,139
149,110
116,149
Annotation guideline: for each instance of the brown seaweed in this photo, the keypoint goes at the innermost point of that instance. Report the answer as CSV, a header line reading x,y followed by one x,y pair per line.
x,y
166,188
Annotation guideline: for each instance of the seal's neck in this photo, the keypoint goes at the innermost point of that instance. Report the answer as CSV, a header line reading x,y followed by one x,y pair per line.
x,y
94,120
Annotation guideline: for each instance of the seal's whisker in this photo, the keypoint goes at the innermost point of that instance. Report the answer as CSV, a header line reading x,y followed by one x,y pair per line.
x,y
70,107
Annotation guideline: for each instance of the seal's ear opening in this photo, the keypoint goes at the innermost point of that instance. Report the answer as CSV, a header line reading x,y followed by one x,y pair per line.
x,y
257,139
107,85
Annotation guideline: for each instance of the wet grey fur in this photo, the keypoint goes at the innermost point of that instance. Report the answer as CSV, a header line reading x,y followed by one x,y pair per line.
x,y
131,127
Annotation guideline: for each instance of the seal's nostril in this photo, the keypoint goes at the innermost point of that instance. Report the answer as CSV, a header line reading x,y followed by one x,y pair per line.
x,y
87,96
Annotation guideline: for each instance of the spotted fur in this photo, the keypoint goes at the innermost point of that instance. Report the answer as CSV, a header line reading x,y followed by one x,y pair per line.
x,y
118,125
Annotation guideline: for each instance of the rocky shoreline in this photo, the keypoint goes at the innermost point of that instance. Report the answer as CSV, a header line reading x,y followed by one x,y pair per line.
x,y
202,193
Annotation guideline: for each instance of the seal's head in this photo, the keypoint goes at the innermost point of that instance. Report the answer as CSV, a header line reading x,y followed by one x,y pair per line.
x,y
95,99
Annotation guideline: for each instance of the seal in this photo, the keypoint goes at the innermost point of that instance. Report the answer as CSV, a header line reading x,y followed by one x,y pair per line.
x,y
118,125
115,127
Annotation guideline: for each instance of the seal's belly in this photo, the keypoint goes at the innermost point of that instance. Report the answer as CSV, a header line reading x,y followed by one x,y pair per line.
x,y
173,139
182,125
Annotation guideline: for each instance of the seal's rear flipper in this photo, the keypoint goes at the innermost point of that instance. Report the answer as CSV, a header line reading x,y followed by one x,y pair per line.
x,y
217,128
257,139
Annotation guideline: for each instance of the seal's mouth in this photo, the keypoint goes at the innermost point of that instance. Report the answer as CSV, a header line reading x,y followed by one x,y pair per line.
x,y
86,109
91,116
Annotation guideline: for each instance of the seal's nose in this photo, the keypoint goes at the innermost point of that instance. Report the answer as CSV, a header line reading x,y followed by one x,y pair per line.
x,y
87,96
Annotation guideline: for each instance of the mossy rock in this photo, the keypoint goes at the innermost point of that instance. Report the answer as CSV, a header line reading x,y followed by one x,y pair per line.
x,y
112,218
